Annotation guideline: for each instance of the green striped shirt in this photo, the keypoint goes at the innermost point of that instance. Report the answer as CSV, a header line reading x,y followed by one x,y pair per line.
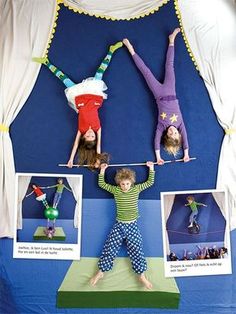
x,y
194,205
60,187
126,202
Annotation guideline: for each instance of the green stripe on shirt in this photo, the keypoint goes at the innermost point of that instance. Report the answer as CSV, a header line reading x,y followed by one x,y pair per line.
x,y
126,202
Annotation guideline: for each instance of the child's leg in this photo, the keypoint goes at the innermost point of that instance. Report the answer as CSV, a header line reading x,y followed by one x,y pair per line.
x,y
154,85
105,62
109,252
111,248
169,80
56,199
57,72
45,203
191,217
135,250
99,275
195,216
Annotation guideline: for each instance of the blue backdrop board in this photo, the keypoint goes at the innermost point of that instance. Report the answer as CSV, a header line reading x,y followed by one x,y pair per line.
x,y
129,115
212,222
31,208
128,118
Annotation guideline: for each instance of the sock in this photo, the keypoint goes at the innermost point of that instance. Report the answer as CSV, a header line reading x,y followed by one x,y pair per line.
x,y
103,66
118,45
58,73
45,203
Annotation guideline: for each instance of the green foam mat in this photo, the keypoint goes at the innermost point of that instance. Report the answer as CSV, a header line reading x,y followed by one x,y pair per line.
x,y
118,288
59,234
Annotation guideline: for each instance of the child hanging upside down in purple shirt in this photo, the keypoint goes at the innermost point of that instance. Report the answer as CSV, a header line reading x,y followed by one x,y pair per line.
x,y
170,127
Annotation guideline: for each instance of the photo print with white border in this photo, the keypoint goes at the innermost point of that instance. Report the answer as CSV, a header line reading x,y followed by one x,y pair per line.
x,y
196,237
48,212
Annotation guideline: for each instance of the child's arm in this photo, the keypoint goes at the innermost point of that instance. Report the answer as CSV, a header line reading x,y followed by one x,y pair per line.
x,y
47,187
160,161
101,182
29,194
186,155
150,181
67,188
99,136
185,145
74,150
157,143
201,204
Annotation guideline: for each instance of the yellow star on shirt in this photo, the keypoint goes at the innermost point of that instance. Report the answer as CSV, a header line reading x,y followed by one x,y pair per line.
x,y
163,115
173,118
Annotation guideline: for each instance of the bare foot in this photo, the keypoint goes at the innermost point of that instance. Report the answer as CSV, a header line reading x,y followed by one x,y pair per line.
x,y
99,275
129,46
147,284
173,35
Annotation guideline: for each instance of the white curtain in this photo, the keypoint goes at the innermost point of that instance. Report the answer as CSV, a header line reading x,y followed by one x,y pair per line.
x,y
117,10
167,203
23,184
76,187
220,199
210,28
25,26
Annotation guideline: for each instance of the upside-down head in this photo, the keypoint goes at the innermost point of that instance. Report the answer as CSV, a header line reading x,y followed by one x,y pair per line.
x,y
172,140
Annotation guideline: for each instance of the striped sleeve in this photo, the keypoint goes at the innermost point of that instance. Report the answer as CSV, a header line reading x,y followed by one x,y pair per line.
x,y
150,181
108,187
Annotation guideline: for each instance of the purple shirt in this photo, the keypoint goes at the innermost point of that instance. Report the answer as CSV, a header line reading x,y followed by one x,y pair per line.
x,y
169,114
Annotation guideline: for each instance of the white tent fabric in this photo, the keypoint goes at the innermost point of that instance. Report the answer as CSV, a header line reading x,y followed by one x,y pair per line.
x,y
167,203
23,184
116,10
25,27
210,28
75,183
221,199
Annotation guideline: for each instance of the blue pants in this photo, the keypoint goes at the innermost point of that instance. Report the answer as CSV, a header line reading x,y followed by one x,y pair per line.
x,y
130,233
56,199
193,216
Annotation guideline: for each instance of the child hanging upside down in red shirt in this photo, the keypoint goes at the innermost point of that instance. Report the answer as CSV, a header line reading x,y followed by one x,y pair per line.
x,y
86,99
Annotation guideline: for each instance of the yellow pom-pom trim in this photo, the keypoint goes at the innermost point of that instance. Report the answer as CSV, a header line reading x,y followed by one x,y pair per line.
x,y
107,17
178,14
50,38
80,11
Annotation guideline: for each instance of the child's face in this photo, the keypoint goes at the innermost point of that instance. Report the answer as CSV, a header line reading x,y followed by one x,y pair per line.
x,y
190,201
125,185
60,181
90,135
173,132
